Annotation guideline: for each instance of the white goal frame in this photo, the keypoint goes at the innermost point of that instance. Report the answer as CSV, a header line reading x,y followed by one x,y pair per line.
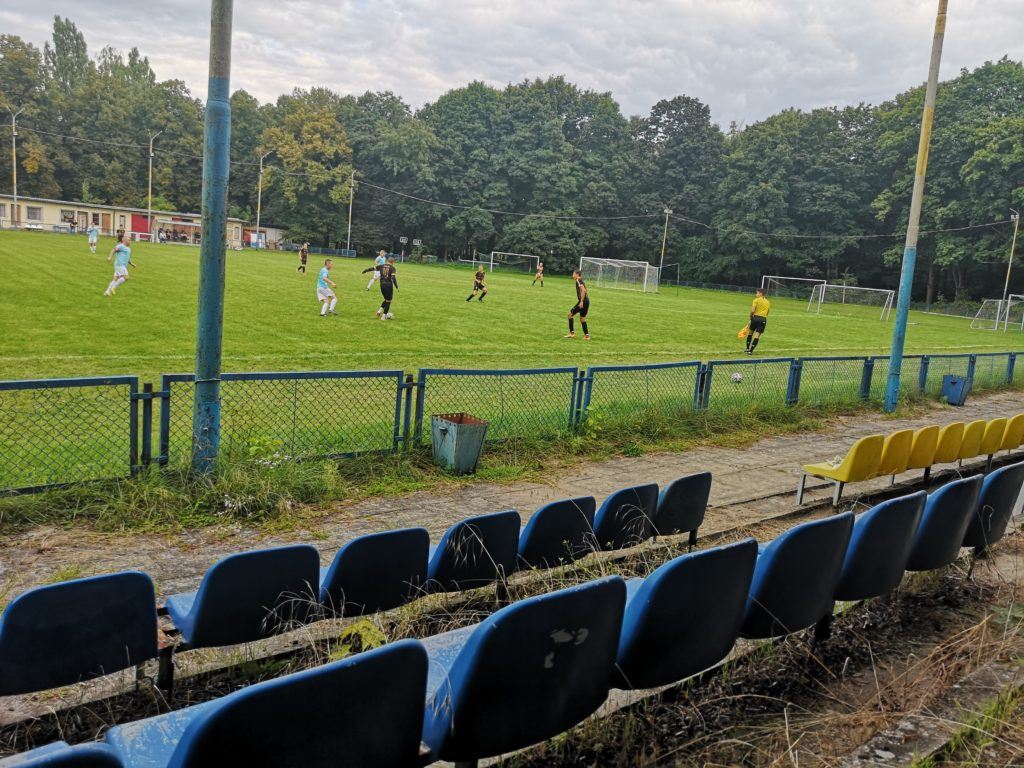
x,y
1002,317
767,280
500,257
649,283
818,297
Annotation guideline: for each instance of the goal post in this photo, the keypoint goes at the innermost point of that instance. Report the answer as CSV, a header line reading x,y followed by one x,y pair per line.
x,y
995,314
521,262
784,286
623,274
852,295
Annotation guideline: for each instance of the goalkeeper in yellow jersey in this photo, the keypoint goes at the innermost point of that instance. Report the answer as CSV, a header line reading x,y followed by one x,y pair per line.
x,y
758,320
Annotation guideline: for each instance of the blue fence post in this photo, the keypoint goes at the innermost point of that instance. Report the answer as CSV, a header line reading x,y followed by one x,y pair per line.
x,y
585,390
793,385
705,387
133,426
421,392
147,424
409,386
922,379
1011,363
165,421
972,361
396,437
865,378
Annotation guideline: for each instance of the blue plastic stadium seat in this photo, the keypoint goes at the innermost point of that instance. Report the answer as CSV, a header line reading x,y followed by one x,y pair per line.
x,y
249,596
684,617
365,710
60,755
532,670
625,519
559,532
376,572
682,504
947,513
999,493
795,578
475,552
78,630
879,548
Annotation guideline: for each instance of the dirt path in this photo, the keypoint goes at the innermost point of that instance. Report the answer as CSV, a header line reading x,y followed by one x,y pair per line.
x,y
750,484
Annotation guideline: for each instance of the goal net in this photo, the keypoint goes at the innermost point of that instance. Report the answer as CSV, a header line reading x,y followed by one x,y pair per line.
x,y
851,298
995,314
620,273
789,287
517,262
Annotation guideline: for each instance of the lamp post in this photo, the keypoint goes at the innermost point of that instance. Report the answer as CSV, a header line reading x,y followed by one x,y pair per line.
x,y
259,200
149,204
1009,267
351,199
14,161
899,331
664,241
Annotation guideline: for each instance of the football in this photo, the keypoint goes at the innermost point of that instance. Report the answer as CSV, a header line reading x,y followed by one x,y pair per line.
x,y
737,377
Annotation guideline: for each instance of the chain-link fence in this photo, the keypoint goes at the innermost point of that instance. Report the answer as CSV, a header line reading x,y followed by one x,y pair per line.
x,y
280,416
645,391
518,403
990,371
910,377
739,384
943,365
831,381
63,431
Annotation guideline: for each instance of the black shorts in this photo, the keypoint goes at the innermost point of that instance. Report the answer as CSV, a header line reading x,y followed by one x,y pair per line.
x,y
478,287
758,323
581,312
387,291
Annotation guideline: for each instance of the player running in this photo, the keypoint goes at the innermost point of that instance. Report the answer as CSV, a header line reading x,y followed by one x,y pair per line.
x,y
478,285
94,235
581,308
539,275
759,310
388,286
377,264
121,255
303,255
325,289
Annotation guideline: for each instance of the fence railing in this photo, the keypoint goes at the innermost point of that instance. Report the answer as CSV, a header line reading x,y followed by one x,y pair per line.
x,y
63,431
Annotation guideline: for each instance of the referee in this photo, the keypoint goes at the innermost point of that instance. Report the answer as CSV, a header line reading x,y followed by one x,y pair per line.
x,y
758,319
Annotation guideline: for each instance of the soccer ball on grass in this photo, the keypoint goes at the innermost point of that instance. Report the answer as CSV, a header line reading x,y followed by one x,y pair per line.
x,y
737,377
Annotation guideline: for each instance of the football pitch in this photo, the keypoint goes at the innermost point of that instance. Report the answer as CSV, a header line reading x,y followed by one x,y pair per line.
x,y
55,321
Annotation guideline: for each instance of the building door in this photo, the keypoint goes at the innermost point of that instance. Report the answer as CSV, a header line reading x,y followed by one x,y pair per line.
x,y
105,226
83,221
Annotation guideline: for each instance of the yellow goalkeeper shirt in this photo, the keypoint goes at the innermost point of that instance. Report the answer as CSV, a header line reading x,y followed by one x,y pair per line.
x,y
760,307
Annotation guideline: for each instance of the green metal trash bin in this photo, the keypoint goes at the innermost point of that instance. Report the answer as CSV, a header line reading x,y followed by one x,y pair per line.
x,y
458,441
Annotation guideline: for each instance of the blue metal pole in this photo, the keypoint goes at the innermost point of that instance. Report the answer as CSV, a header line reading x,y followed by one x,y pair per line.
x,y
209,335
899,333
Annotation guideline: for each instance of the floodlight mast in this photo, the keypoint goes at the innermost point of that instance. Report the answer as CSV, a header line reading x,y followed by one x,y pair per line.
x,y
1009,268
899,333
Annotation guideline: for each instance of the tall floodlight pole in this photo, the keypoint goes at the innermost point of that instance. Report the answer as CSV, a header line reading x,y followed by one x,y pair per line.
x,y
664,241
212,256
14,162
351,199
899,333
259,200
149,204
1009,267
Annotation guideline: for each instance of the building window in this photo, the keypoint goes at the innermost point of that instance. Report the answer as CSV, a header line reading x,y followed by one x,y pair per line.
x,y
96,219
67,216
33,213
3,210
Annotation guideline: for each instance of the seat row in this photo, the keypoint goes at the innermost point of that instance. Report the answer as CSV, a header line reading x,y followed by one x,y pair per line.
x,y
66,633
907,449
542,665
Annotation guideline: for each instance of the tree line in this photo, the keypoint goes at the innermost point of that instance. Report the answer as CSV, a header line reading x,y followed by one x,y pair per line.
x,y
545,167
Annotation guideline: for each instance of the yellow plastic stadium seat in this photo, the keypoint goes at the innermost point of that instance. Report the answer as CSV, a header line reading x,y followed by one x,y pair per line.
x,y
1013,437
970,447
860,463
922,451
895,453
947,450
992,439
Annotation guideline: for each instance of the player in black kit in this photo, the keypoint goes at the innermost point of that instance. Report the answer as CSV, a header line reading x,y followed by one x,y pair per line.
x,y
581,307
478,285
388,286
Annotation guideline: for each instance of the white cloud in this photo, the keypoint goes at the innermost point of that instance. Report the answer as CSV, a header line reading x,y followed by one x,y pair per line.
x,y
746,58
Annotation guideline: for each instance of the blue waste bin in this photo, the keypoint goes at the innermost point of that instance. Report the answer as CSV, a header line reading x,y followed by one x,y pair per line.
x,y
955,389
458,440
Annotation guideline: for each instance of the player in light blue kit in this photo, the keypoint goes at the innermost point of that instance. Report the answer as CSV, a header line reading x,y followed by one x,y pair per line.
x,y
325,289
121,255
94,235
377,264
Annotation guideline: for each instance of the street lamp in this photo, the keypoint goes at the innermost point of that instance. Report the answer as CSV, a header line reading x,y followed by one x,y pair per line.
x,y
259,199
664,241
14,160
1015,218
149,204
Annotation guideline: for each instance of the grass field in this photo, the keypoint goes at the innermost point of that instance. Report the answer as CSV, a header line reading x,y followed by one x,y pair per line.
x,y
55,321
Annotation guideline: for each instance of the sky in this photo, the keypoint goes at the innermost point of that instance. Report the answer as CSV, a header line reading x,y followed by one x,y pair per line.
x,y
747,59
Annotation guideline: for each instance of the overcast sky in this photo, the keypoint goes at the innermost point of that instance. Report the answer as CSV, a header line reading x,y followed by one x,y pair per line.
x,y
746,58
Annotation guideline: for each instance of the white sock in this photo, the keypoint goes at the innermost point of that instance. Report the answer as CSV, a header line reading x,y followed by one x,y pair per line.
x,y
323,307
118,281
333,302
112,286
369,285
